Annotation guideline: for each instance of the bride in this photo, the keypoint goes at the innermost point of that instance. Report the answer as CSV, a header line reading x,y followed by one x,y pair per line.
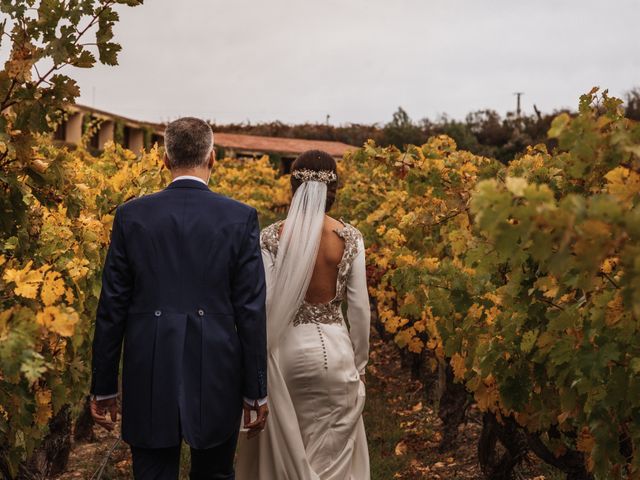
x,y
316,362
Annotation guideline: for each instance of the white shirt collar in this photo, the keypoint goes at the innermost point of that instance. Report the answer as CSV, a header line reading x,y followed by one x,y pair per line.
x,y
189,177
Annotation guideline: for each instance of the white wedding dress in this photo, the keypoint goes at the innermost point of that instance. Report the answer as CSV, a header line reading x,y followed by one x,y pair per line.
x,y
315,429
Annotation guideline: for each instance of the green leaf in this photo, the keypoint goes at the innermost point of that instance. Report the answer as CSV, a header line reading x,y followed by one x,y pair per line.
x,y
529,340
558,125
108,53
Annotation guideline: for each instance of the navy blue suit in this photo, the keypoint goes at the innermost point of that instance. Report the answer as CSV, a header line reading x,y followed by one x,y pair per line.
x,y
183,287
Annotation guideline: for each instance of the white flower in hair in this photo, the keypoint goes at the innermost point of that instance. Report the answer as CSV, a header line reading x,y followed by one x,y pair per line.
x,y
306,175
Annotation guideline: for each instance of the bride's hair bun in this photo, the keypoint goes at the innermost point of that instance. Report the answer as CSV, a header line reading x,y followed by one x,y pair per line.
x,y
319,166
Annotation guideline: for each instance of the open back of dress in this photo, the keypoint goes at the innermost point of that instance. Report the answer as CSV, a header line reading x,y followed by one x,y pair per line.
x,y
323,285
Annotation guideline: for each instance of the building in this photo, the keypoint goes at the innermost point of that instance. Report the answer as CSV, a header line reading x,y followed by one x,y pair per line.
x,y
137,135
132,134
285,150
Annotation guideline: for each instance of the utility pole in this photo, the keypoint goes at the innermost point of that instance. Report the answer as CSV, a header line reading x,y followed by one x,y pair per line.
x,y
328,117
518,108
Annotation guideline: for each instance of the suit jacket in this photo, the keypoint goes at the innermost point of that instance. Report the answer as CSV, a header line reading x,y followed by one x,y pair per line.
x,y
183,286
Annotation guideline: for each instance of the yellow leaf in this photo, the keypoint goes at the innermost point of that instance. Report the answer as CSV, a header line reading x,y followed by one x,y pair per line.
x,y
492,314
77,268
459,368
52,288
27,280
394,237
487,395
624,184
404,337
516,185
475,311
610,264
392,324
57,320
496,299
43,407
405,260
69,296
420,326
415,345
549,285
431,263
401,448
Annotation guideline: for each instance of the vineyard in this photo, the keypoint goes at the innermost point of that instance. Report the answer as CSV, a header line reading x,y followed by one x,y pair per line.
x,y
522,281
513,288
519,282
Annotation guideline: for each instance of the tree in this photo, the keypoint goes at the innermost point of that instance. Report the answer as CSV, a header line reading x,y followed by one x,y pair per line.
x,y
402,131
632,100
44,37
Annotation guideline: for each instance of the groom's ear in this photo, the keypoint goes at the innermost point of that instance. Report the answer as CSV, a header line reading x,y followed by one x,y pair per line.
x,y
212,158
165,160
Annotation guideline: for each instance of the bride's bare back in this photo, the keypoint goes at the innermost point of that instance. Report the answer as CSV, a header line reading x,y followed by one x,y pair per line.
x,y
322,288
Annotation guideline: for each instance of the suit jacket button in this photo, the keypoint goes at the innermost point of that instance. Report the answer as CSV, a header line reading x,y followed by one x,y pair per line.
x,y
201,313
157,313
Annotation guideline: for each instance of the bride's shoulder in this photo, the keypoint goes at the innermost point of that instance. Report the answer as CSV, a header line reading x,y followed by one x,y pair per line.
x,y
269,236
348,232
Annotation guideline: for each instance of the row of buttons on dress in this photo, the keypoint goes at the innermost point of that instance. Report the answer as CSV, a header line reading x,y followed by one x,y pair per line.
x,y
324,347
157,313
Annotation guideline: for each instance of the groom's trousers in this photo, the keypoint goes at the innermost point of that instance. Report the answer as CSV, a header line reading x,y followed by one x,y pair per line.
x,y
164,463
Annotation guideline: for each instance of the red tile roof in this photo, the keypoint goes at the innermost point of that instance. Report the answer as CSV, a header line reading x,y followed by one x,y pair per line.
x,y
290,146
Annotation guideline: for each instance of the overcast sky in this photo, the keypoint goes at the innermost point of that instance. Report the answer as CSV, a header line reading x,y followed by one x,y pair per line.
x,y
358,60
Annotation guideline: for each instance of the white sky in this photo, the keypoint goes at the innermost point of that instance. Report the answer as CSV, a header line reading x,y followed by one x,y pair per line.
x,y
358,60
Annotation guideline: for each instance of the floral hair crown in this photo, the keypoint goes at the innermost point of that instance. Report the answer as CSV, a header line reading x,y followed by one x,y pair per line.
x,y
306,175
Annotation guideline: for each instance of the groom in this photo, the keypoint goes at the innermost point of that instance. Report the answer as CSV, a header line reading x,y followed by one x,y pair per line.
x,y
183,286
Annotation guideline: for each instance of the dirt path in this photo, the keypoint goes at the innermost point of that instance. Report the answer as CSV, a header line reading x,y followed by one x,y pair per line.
x,y
404,431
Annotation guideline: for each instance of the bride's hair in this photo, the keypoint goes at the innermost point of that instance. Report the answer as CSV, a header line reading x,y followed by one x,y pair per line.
x,y
317,160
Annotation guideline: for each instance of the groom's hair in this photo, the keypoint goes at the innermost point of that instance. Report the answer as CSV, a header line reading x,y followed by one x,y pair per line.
x,y
188,142
316,160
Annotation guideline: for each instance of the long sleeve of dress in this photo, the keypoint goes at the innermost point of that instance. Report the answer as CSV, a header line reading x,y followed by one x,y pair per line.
x,y
358,310
269,262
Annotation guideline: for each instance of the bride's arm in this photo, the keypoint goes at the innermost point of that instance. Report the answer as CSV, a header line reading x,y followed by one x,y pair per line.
x,y
358,310
269,263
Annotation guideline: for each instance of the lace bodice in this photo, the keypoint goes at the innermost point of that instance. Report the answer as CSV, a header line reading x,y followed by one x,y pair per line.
x,y
329,312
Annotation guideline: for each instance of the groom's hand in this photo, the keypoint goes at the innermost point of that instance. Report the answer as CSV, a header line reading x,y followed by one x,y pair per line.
x,y
101,409
259,423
